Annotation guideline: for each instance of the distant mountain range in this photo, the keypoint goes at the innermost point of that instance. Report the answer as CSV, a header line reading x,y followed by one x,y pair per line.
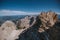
x,y
16,17
12,17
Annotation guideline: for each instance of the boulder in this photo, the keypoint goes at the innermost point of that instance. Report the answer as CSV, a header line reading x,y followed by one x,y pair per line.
x,y
6,28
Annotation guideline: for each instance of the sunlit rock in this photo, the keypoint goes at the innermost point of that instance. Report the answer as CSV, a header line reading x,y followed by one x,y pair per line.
x,y
23,23
48,19
15,34
6,28
26,22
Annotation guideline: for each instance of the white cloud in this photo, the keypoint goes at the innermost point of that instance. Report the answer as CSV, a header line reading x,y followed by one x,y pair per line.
x,y
11,12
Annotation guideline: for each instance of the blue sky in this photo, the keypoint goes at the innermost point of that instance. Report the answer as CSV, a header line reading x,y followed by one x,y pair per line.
x,y
16,7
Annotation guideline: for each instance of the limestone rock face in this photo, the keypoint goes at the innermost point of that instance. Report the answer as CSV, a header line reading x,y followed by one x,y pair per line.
x,y
23,23
48,19
26,22
6,28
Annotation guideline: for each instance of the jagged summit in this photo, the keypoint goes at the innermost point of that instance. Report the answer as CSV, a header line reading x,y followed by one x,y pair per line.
x,y
48,19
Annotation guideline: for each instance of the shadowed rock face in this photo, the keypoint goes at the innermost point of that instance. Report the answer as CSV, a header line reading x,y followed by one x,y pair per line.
x,y
44,21
54,33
